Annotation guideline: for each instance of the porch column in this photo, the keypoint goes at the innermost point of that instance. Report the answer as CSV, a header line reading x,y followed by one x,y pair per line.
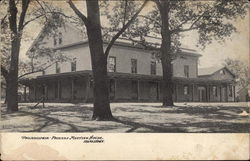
x,y
226,93
58,90
208,93
192,92
72,89
220,93
234,93
35,91
138,90
46,91
25,94
115,81
87,88
176,92
157,91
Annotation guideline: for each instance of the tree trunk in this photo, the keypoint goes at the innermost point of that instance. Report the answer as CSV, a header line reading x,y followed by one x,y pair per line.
x,y
5,73
99,63
167,82
12,96
12,81
6,92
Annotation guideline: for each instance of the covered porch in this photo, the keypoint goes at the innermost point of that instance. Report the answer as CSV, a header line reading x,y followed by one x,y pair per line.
x,y
78,87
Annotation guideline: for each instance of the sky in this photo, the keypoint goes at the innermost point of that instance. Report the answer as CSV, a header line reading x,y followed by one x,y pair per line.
x,y
235,47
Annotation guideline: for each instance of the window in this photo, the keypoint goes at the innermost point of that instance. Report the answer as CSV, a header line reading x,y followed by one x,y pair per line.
x,y
153,68
214,90
43,72
186,71
60,38
172,69
222,72
58,70
55,41
133,66
112,86
73,65
112,64
230,88
186,90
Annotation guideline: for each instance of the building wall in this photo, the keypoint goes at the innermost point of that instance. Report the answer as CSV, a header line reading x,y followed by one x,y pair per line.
x,y
70,34
83,60
123,61
181,61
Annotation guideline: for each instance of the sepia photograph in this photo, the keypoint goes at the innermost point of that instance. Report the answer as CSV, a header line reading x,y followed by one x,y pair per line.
x,y
124,66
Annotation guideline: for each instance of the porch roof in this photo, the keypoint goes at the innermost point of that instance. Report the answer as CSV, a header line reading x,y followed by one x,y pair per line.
x,y
117,75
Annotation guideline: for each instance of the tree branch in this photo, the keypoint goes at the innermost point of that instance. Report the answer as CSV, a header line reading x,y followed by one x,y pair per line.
x,y
78,13
4,72
3,19
151,19
36,71
42,8
25,5
123,29
147,46
184,30
33,19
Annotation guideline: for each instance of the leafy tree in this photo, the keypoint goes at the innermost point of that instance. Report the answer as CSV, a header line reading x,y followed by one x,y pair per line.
x,y
18,15
170,19
98,55
241,71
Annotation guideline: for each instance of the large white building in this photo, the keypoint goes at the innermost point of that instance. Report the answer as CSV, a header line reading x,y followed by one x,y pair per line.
x,y
135,74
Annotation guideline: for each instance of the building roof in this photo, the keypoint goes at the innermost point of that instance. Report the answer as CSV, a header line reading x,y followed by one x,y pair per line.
x,y
184,51
208,71
117,75
211,70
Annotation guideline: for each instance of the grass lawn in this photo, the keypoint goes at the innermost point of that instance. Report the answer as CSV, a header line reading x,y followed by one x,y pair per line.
x,y
130,117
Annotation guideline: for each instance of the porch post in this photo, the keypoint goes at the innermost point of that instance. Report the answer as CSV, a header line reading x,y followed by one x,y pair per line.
x,y
207,91
25,94
192,92
58,90
226,93
72,89
87,88
157,90
220,93
176,92
138,90
234,93
115,88
35,90
46,91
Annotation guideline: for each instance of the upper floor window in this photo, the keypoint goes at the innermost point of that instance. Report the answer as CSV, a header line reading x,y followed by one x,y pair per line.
x,y
60,38
55,40
58,69
73,65
214,90
222,72
133,66
186,71
153,67
112,64
185,90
